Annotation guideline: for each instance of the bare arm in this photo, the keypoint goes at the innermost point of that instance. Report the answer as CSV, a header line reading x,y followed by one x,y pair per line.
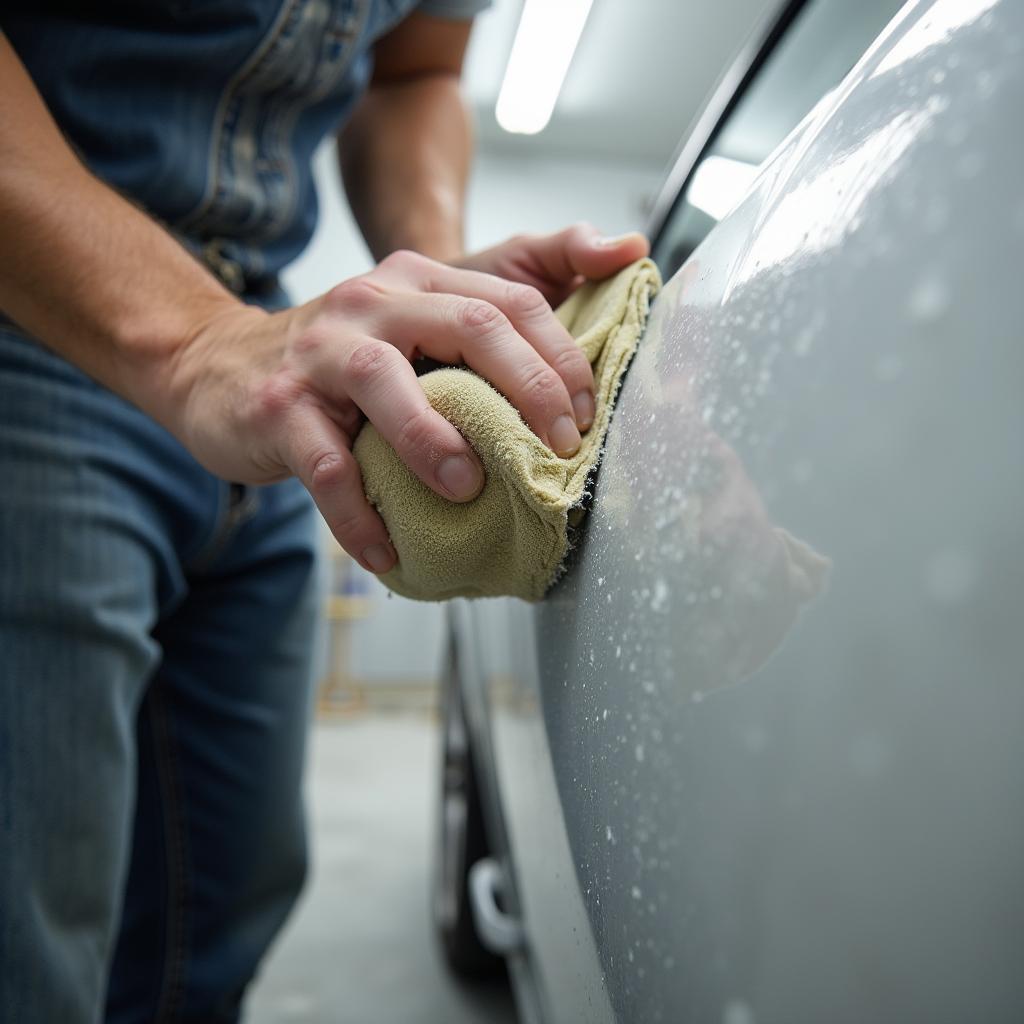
x,y
405,152
257,397
83,269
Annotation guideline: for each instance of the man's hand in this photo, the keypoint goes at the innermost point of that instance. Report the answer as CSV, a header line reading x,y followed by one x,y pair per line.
x,y
257,397
557,264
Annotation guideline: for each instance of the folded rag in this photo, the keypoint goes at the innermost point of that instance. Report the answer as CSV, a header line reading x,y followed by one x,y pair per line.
x,y
513,537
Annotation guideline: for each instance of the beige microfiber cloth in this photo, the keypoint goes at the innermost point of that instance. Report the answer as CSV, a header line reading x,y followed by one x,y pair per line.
x,y
513,537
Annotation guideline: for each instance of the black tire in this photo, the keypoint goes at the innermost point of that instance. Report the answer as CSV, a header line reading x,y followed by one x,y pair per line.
x,y
461,839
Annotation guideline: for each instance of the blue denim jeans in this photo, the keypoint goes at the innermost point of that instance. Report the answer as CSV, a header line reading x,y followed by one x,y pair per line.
x,y
156,640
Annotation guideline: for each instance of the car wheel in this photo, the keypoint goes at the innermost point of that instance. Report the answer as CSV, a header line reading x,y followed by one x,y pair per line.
x,y
461,840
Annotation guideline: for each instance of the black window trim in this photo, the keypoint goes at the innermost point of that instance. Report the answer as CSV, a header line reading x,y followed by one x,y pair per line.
x,y
724,97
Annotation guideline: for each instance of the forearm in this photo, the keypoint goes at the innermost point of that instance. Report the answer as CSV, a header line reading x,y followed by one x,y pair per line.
x,y
405,158
84,270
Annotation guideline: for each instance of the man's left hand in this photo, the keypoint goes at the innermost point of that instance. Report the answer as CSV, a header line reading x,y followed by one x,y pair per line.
x,y
556,265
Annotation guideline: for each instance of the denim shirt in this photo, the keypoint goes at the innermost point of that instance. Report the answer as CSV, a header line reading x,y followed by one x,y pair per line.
x,y
207,112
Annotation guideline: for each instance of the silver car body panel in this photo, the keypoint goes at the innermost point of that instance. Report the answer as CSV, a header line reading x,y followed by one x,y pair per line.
x,y
758,757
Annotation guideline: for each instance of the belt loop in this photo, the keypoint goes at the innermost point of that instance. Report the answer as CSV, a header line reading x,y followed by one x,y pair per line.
x,y
227,270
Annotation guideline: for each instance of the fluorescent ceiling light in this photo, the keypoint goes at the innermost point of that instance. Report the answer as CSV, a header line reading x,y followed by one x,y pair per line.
x,y
541,54
718,184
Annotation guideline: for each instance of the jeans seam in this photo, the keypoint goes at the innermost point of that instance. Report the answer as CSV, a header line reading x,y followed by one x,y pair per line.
x,y
172,985
274,32
237,507
353,26
272,215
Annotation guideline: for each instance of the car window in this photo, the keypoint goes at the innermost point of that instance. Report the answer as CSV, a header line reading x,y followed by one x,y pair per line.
x,y
812,55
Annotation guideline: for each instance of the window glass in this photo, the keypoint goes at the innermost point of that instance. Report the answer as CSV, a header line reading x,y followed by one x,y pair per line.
x,y
821,45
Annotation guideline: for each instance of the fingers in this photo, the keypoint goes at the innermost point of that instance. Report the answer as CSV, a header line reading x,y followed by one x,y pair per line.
x,y
318,453
456,329
531,317
379,379
582,251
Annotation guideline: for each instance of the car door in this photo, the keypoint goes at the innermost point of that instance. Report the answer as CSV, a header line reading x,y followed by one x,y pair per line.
x,y
758,754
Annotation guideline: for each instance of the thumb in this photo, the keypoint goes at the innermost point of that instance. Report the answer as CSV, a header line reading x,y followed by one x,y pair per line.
x,y
594,256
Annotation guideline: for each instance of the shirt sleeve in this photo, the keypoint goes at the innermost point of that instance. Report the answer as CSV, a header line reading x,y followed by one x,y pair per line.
x,y
457,10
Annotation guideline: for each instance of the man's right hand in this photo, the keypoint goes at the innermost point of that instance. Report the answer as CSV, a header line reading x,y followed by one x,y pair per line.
x,y
257,397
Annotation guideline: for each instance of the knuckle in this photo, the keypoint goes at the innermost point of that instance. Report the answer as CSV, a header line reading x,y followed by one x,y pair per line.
x,y
369,361
331,472
358,294
274,398
571,362
311,340
402,260
479,316
541,386
416,434
579,234
527,301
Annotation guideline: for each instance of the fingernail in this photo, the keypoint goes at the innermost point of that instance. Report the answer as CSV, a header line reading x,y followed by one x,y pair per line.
x,y
564,437
609,241
583,406
379,557
460,476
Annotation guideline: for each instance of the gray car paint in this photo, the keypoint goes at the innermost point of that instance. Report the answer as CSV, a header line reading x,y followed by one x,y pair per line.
x,y
758,756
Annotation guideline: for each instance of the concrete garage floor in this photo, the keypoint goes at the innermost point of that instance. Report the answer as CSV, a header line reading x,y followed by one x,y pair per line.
x,y
360,948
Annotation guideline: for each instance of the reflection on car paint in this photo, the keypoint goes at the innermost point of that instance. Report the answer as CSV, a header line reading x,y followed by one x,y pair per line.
x,y
745,579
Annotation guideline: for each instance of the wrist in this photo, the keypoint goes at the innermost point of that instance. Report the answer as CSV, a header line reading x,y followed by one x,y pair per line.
x,y
163,365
